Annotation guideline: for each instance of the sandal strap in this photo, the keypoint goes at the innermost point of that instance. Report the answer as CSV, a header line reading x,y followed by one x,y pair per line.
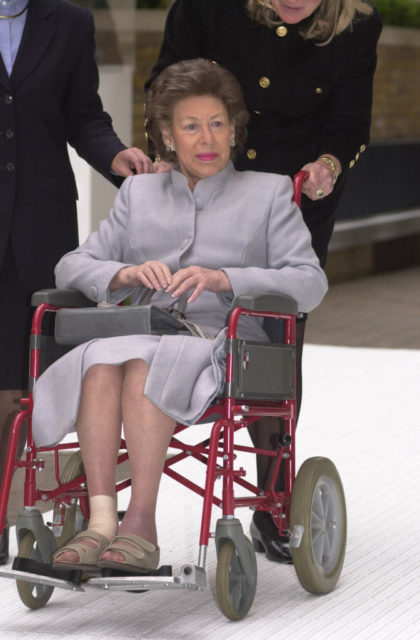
x,y
86,553
136,547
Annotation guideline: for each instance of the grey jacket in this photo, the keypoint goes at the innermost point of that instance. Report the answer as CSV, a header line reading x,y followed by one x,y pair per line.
x,y
242,222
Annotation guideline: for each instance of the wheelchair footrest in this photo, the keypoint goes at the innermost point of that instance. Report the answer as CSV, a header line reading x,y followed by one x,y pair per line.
x,y
31,566
190,577
164,570
26,570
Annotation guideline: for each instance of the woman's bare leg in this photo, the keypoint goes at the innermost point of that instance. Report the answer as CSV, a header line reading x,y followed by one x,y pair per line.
x,y
99,432
147,432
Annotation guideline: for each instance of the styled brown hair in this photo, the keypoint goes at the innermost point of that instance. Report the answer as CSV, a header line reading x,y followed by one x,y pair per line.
x,y
185,79
330,19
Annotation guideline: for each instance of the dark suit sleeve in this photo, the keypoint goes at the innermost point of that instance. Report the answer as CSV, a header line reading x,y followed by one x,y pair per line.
x,y
346,128
89,127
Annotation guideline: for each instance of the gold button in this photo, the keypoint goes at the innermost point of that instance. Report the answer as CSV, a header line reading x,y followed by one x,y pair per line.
x,y
357,156
251,154
352,163
363,148
257,112
265,82
281,31
319,90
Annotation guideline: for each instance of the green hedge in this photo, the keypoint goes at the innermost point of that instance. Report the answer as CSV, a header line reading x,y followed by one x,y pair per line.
x,y
399,13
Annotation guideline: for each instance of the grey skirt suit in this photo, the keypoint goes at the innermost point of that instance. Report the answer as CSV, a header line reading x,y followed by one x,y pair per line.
x,y
242,222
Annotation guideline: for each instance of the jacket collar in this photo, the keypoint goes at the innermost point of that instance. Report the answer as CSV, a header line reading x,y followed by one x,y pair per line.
x,y
206,188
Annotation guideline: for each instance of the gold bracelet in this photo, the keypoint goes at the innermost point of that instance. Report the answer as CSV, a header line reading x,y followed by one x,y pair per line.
x,y
326,160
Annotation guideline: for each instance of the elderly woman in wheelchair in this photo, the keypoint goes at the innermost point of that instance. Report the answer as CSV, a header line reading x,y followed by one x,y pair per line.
x,y
204,230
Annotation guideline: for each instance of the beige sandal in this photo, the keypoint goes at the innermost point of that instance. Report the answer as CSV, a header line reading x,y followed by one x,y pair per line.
x,y
139,554
88,556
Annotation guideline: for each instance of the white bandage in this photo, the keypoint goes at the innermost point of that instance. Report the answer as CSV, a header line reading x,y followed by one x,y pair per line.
x,y
103,515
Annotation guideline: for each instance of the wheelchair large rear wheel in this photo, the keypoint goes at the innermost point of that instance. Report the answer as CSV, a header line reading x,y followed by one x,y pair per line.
x,y
73,517
234,592
318,505
34,596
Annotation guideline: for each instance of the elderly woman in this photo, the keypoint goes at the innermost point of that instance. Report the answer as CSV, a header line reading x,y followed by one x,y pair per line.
x,y
203,229
306,70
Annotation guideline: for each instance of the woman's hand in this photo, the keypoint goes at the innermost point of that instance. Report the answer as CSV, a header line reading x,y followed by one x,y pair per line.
x,y
321,180
152,274
199,279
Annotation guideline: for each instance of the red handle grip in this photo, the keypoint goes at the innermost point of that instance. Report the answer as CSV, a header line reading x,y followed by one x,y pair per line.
x,y
298,181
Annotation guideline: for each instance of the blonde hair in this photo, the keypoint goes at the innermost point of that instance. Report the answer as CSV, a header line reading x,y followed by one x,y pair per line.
x,y
330,19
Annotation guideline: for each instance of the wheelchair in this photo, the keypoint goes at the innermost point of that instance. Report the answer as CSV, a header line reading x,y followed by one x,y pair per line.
x,y
260,382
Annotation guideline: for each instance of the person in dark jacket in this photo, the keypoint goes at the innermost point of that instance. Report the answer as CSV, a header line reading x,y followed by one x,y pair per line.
x,y
306,69
48,98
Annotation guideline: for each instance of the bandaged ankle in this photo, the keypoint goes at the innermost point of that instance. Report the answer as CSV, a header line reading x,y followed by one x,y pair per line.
x,y
103,515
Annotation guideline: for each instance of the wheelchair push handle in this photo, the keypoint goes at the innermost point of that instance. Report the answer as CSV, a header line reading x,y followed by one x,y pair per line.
x,y
298,181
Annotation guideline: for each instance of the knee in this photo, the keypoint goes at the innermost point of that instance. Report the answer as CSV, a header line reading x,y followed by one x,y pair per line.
x,y
103,377
135,373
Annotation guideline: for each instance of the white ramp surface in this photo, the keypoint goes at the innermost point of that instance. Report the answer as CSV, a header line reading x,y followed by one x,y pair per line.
x,y
361,409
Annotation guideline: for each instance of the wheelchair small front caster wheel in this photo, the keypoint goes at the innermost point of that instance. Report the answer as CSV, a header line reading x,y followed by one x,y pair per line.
x,y
34,596
318,505
234,592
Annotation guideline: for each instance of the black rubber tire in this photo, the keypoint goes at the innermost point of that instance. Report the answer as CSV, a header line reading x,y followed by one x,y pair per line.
x,y
234,593
318,504
34,596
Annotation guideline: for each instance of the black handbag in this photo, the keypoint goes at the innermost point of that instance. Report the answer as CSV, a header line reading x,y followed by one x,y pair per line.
x,y
73,326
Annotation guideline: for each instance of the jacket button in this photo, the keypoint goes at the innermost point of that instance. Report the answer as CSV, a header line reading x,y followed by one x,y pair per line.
x,y
9,134
281,31
363,148
8,99
319,90
265,82
10,167
351,164
251,154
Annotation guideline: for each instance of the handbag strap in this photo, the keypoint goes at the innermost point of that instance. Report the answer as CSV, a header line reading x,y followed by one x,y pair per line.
x,y
179,313
179,307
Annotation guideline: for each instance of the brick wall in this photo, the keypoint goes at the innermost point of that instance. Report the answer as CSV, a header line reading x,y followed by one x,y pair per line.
x,y
396,104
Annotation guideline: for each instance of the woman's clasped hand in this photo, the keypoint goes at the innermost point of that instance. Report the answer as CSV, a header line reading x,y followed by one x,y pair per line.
x,y
156,275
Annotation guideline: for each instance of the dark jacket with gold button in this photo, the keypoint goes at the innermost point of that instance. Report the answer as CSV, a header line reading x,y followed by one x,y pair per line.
x,y
304,100
49,99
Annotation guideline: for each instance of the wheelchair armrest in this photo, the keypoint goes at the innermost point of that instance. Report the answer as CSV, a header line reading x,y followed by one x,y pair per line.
x,y
277,303
61,298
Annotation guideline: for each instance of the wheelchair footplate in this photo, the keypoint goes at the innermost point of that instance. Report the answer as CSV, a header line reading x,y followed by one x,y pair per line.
x,y
27,570
190,577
